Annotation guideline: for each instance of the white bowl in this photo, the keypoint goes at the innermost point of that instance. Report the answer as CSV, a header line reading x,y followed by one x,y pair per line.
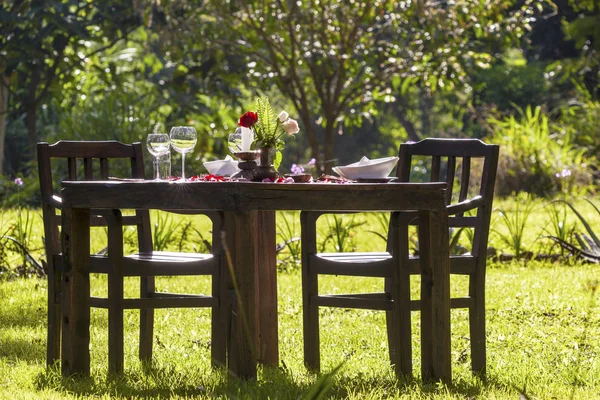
x,y
378,168
228,166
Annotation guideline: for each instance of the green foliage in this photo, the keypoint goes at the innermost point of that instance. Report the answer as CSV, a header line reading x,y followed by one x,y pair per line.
x,y
266,128
515,222
581,118
508,84
558,225
383,225
538,157
289,252
589,246
44,43
340,233
334,74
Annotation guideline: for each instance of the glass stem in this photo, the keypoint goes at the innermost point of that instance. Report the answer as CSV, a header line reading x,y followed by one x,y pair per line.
x,y
183,166
155,162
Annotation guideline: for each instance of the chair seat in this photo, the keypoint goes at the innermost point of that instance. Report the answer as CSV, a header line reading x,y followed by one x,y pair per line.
x,y
353,264
169,257
355,257
375,264
157,263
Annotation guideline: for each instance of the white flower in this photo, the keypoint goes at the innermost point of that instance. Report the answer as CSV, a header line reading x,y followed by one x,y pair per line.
x,y
291,126
283,116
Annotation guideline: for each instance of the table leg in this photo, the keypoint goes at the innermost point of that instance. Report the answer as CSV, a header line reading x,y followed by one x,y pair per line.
x,y
240,231
266,288
76,292
435,296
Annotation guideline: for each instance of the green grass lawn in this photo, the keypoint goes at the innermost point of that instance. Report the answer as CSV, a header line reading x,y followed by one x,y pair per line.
x,y
543,341
543,325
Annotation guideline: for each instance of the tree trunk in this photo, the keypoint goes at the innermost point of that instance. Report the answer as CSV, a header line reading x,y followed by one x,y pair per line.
x,y
3,111
31,123
408,126
426,106
309,132
31,112
329,135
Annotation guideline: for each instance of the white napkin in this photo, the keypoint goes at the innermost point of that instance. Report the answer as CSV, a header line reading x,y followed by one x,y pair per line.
x,y
227,166
367,169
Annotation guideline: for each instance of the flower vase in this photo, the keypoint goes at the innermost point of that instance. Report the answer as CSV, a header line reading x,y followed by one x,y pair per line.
x,y
246,164
265,169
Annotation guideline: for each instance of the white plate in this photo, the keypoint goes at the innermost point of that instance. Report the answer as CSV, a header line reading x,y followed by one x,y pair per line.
x,y
367,169
228,166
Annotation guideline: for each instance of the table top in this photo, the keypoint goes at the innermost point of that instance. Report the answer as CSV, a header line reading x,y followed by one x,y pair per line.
x,y
245,196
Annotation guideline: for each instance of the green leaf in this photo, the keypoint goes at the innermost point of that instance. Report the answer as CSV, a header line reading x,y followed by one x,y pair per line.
x,y
277,159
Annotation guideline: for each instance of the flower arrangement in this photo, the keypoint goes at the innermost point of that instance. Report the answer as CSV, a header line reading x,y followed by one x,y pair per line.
x,y
269,128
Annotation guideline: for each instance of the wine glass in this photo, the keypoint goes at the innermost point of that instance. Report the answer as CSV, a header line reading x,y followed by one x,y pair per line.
x,y
158,144
183,140
235,141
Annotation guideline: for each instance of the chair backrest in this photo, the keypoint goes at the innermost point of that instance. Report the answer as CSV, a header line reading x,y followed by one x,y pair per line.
x,y
469,167
86,160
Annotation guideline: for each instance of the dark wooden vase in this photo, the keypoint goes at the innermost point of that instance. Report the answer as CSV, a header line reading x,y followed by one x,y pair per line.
x,y
265,169
246,164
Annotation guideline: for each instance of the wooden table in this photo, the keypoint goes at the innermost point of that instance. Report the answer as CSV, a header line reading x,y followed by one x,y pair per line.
x,y
249,210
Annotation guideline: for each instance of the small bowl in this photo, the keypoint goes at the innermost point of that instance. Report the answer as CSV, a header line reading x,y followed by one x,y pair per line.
x,y
247,155
300,178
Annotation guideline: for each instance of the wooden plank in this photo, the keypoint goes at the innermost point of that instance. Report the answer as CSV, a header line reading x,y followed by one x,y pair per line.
x,y
399,321
310,291
243,196
76,294
242,354
266,288
149,195
116,339
336,197
357,301
425,247
439,261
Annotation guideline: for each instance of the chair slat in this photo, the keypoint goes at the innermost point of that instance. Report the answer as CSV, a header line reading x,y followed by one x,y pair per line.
x,y
450,172
88,169
72,167
465,178
103,168
435,168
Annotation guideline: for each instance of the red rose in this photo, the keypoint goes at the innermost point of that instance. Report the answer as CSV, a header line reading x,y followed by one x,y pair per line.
x,y
248,119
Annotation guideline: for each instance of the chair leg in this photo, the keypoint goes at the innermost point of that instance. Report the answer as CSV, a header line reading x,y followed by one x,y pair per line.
x,y
54,317
147,286
219,323
389,315
115,323
477,327
398,320
311,321
398,324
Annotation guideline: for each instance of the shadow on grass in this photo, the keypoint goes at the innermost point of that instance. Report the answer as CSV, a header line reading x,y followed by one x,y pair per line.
x,y
167,382
22,349
25,317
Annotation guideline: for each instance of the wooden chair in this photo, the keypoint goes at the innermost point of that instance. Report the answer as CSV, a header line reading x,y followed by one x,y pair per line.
x,y
464,212
95,159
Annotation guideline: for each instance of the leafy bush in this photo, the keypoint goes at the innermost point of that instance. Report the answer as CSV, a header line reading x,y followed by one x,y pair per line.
x,y
581,117
515,223
589,245
537,157
511,82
